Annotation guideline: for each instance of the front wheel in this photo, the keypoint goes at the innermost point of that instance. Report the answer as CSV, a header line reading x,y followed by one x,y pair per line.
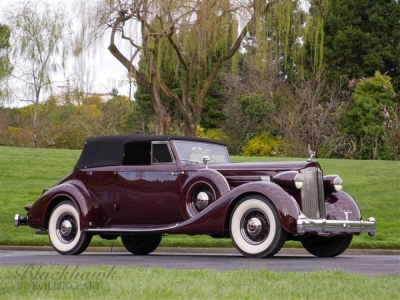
x,y
255,227
64,230
327,246
141,244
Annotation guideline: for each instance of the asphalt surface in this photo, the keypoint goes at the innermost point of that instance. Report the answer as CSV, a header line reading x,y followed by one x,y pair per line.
x,y
369,262
203,250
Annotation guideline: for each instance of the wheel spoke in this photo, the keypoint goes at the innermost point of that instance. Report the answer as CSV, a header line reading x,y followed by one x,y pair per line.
x,y
254,226
66,228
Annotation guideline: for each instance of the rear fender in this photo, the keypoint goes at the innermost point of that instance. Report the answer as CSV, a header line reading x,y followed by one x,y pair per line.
x,y
39,214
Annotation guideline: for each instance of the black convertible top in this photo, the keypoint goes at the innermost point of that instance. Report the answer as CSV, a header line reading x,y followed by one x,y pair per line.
x,y
108,150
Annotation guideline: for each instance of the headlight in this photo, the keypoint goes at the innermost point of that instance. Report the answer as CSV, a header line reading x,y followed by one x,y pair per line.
x,y
292,179
298,181
333,183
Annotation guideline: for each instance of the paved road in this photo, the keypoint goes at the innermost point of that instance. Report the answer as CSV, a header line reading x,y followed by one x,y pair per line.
x,y
359,264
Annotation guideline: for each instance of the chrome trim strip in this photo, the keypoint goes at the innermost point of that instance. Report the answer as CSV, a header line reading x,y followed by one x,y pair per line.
x,y
129,230
305,224
250,178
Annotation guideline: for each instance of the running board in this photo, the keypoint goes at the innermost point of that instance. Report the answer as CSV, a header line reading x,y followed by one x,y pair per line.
x,y
120,230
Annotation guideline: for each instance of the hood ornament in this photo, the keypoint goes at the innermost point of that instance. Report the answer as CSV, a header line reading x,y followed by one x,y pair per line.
x,y
310,152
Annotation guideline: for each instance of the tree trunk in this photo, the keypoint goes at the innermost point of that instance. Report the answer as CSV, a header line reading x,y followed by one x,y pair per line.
x,y
35,113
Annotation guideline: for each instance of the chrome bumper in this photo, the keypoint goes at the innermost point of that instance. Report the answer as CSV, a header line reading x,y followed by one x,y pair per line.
x,y
305,224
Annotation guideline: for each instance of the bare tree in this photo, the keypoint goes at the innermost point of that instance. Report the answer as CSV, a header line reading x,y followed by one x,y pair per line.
x,y
83,77
194,38
39,34
308,113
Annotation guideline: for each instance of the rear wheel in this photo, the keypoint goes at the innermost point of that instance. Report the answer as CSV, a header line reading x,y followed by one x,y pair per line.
x,y
255,227
141,244
327,246
64,230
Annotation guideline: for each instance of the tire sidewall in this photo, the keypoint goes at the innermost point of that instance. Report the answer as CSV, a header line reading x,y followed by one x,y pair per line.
x,y
65,207
327,246
268,246
148,245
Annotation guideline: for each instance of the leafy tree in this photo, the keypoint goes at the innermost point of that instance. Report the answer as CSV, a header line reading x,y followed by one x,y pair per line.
x,y
5,65
40,48
369,122
116,112
193,33
361,37
212,114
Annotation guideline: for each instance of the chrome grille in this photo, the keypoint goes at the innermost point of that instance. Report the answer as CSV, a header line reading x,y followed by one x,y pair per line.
x,y
312,193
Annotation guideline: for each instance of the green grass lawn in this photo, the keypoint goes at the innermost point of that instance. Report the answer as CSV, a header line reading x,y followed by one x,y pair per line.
x,y
24,172
101,282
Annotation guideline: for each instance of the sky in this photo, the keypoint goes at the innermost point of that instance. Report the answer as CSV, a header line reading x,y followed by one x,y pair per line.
x,y
106,71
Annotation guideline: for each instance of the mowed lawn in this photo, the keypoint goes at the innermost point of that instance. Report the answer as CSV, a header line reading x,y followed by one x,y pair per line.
x,y
24,172
102,282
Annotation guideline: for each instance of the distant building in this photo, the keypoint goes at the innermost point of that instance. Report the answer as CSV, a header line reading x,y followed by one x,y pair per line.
x,y
61,90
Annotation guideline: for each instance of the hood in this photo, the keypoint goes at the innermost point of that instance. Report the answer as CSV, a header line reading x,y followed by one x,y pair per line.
x,y
240,173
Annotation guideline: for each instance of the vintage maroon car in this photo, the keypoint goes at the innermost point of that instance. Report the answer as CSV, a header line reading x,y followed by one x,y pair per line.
x,y
140,187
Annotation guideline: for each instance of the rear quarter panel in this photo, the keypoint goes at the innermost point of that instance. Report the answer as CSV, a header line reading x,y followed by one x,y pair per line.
x,y
75,191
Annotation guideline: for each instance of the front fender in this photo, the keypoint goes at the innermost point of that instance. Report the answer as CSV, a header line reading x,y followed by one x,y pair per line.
x,y
285,204
215,218
75,191
341,206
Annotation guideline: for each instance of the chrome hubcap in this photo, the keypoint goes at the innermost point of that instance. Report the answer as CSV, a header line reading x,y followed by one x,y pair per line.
x,y
66,228
254,226
202,200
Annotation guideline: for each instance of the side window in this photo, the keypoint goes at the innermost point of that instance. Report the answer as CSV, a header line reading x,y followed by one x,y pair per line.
x,y
137,154
161,153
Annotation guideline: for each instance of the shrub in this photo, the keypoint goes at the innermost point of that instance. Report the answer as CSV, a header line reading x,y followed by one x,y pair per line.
x,y
262,145
15,136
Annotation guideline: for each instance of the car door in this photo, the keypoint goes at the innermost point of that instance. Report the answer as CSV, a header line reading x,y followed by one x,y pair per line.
x,y
147,185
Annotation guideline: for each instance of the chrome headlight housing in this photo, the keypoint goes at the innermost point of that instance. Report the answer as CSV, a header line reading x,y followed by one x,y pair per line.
x,y
291,179
333,183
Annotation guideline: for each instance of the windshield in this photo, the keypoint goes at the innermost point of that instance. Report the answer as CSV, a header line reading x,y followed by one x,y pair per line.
x,y
195,151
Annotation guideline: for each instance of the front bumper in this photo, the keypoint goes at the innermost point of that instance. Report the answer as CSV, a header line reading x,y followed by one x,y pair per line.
x,y
305,225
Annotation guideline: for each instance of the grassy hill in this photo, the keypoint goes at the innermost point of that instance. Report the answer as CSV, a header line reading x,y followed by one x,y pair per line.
x,y
24,172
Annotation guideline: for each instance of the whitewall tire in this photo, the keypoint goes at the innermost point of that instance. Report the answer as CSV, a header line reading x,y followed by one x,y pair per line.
x,y
65,232
255,227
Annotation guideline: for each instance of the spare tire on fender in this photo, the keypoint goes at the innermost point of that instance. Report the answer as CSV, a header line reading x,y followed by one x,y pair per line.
x,y
201,189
